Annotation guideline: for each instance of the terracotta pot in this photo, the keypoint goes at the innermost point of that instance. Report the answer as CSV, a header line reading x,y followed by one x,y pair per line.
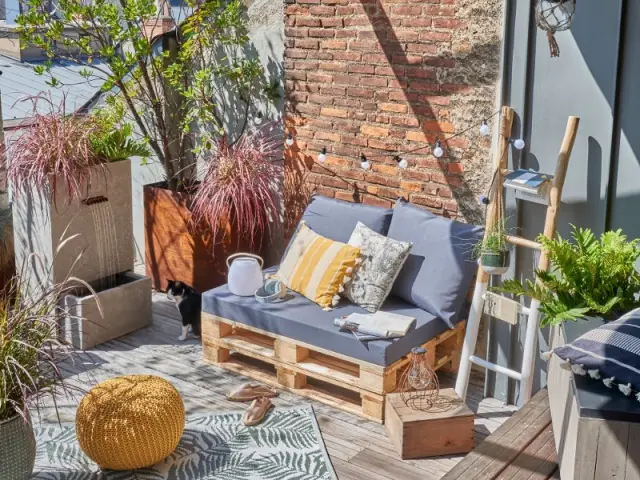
x,y
175,249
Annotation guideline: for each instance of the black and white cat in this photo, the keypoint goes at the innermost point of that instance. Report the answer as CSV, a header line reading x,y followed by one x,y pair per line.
x,y
189,304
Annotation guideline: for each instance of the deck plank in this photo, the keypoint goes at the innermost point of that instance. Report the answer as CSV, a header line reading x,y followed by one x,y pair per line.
x,y
358,448
521,448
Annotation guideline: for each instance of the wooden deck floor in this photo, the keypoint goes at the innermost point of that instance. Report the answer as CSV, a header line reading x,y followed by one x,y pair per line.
x,y
522,448
358,448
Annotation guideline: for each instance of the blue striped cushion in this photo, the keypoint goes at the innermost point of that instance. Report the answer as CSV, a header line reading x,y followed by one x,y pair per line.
x,y
610,353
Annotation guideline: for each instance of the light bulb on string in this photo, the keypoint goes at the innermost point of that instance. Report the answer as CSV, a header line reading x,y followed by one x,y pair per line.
x,y
364,163
402,163
258,118
322,156
289,140
484,129
519,144
438,152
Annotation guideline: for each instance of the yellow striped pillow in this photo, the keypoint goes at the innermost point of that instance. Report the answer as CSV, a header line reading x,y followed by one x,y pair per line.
x,y
317,267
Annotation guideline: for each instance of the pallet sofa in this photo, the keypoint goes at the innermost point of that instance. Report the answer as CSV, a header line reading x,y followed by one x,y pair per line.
x,y
294,344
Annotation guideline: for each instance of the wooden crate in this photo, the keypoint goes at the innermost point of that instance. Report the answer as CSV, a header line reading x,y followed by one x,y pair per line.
x,y
418,434
338,380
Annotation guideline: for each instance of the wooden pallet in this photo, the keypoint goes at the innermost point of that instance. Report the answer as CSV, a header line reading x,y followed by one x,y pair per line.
x,y
338,380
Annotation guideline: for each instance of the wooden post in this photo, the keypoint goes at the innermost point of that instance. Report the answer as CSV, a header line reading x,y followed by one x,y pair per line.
x,y
551,221
482,280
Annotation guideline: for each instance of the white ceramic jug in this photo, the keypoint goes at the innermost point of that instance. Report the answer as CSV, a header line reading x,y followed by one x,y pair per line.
x,y
245,274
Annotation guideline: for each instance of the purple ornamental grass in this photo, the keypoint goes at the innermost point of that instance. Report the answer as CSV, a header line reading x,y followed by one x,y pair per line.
x,y
240,187
50,149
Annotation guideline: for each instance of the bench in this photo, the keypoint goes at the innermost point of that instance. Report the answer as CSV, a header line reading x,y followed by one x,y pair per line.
x,y
295,345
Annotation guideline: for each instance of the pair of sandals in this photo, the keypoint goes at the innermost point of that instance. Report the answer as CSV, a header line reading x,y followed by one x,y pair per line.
x,y
259,396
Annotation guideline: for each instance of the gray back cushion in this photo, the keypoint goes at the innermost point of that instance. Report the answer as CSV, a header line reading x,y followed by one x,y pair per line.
x,y
440,268
336,219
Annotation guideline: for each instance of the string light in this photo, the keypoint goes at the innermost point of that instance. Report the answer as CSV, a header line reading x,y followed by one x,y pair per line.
x,y
258,118
438,152
322,156
484,129
402,163
289,140
518,143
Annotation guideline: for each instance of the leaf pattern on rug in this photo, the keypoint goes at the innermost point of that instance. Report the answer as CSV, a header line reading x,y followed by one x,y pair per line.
x,y
287,445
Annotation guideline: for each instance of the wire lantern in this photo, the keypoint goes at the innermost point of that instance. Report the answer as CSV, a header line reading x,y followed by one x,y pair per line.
x,y
419,386
554,16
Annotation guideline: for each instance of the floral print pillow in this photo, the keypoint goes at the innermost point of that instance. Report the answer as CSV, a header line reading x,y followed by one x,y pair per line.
x,y
382,258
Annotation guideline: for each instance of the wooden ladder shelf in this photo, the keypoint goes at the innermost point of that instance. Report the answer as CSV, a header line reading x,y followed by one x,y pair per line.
x,y
496,305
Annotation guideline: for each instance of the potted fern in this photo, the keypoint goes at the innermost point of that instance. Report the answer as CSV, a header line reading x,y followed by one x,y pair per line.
x,y
590,277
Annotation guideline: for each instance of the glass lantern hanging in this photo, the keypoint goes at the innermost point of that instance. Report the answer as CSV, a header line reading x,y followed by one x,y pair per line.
x,y
419,387
554,16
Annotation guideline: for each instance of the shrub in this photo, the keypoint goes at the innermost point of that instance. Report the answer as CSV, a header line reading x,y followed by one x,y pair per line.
x,y
240,186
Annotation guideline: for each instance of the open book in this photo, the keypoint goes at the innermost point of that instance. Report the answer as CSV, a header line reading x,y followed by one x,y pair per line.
x,y
379,324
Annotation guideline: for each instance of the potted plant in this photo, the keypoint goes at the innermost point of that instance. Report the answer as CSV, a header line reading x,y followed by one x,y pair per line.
x,y
30,354
183,90
590,277
493,250
60,168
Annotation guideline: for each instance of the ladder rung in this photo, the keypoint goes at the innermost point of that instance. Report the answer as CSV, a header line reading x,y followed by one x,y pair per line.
x,y
523,242
496,368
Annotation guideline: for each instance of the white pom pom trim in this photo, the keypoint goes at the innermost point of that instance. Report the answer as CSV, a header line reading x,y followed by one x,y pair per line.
x,y
578,369
638,396
565,365
595,374
346,280
608,382
546,356
335,300
626,389
350,270
341,289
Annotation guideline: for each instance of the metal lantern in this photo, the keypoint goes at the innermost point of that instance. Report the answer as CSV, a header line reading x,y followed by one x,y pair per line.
x,y
554,16
419,387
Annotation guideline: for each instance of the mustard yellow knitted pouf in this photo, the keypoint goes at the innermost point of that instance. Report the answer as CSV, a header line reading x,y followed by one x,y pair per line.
x,y
130,422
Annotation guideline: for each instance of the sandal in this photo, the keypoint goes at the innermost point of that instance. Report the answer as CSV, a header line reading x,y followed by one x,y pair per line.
x,y
250,391
256,411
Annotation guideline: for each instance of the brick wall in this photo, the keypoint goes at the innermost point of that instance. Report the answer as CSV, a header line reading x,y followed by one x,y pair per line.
x,y
377,76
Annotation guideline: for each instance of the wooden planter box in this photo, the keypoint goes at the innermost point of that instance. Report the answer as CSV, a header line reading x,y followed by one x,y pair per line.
x,y
176,249
104,230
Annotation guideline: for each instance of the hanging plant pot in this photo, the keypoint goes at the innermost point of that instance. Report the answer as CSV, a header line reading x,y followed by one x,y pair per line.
x,y
554,16
495,263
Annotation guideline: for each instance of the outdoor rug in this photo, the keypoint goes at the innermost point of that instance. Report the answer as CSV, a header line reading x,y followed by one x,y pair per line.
x,y
287,445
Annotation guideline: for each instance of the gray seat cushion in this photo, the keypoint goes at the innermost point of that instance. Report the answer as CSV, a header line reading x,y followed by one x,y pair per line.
x,y
336,219
300,319
440,268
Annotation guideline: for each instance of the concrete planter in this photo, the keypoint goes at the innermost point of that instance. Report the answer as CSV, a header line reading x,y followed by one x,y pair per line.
x,y
105,229
175,249
126,307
